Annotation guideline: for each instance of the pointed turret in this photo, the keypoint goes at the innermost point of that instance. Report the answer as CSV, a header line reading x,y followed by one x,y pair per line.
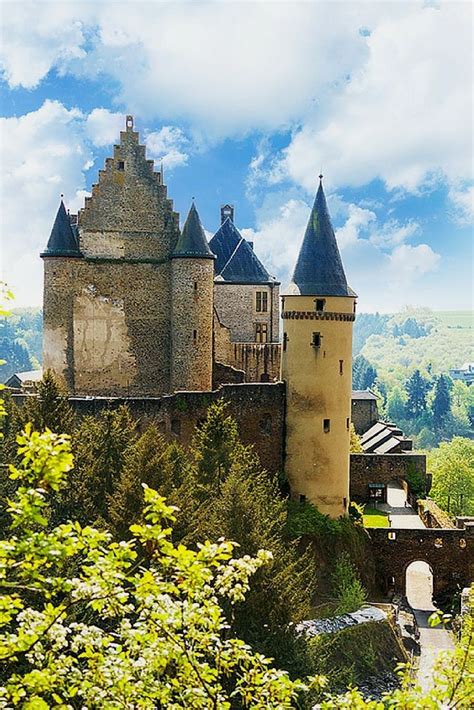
x,y
62,240
319,270
193,243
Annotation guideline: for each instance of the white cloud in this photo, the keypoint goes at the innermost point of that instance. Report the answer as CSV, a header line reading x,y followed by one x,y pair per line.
x,y
404,116
463,203
43,154
169,144
408,262
103,127
358,220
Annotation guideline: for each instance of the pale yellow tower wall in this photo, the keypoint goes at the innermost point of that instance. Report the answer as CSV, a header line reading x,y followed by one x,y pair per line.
x,y
319,382
191,327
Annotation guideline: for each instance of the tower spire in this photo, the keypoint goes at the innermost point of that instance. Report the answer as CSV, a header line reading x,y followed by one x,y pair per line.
x,y
62,240
319,270
193,242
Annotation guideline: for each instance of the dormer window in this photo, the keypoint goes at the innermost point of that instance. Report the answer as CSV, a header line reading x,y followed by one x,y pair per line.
x,y
320,303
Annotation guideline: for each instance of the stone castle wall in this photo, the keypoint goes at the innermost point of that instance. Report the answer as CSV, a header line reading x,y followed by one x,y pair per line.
x,y
259,410
259,361
192,316
382,468
236,307
364,414
449,553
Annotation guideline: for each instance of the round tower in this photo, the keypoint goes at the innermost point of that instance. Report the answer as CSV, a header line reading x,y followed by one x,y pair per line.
x,y
192,278
60,259
318,311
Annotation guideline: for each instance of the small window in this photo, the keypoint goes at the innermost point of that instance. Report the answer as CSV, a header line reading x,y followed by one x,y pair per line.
x,y
176,426
341,367
320,303
348,424
326,425
285,340
195,286
316,341
261,333
195,336
261,302
302,498
121,165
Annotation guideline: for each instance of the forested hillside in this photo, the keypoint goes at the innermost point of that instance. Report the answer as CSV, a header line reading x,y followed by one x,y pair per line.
x,y
21,336
406,358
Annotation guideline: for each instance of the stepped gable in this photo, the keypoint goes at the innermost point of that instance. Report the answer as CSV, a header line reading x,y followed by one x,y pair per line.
x,y
235,259
193,243
130,200
319,270
63,238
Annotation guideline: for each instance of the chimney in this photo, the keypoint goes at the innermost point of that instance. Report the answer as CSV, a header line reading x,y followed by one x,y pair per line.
x,y
227,211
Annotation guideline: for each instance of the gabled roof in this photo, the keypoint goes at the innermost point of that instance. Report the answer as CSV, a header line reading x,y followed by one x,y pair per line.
x,y
236,261
192,241
364,394
63,238
319,270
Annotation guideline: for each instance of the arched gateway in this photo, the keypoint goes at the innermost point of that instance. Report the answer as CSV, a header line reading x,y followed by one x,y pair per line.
x,y
448,552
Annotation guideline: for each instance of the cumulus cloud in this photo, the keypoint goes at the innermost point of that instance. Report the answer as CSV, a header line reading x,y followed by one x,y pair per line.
x,y
404,115
386,272
169,144
43,153
103,126
463,204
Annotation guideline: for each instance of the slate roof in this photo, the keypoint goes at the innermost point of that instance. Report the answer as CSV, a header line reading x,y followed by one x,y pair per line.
x,y
363,394
63,240
192,241
236,261
319,270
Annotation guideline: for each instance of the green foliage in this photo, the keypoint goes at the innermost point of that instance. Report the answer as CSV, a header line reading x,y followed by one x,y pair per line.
x,y
367,324
441,402
415,480
347,588
21,335
396,403
349,656
417,388
123,630
355,444
452,466
50,409
363,373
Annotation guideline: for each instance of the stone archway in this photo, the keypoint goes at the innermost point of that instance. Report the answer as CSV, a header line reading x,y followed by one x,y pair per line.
x,y
419,585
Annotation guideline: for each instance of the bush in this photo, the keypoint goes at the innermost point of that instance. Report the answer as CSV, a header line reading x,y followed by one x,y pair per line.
x,y
347,587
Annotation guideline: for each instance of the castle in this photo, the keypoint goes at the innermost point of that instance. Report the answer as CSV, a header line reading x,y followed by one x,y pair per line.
x,y
135,308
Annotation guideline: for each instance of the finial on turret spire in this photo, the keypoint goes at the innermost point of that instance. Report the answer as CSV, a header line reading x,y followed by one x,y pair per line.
x,y
320,177
62,195
129,123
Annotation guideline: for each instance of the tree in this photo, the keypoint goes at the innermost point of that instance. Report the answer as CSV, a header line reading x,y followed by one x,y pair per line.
x,y
416,388
442,401
100,445
122,630
452,466
396,402
363,373
355,445
50,409
151,461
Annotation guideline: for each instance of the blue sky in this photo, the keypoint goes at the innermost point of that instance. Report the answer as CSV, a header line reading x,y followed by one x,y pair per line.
x,y
246,102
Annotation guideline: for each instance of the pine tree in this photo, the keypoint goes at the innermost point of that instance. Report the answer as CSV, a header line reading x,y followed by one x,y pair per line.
x,y
152,461
416,388
50,409
100,445
441,401
215,445
250,511
363,373
396,403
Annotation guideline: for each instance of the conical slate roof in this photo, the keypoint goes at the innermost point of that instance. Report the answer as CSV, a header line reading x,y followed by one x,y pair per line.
x,y
193,242
235,259
62,240
319,270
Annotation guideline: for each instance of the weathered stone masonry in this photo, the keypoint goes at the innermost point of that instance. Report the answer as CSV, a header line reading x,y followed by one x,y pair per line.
x,y
382,468
259,410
